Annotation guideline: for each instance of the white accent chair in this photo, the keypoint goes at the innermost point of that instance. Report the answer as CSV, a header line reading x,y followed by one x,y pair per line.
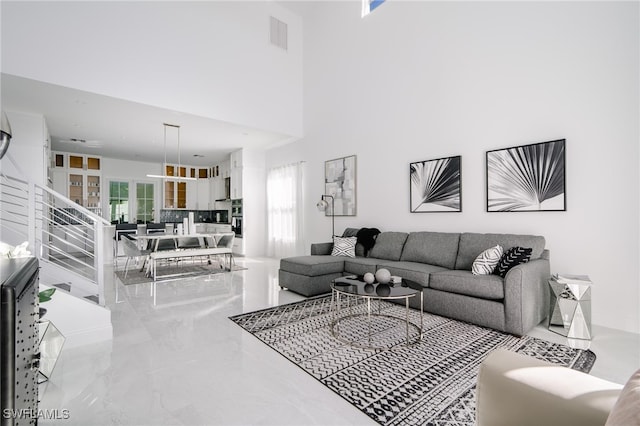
x,y
515,389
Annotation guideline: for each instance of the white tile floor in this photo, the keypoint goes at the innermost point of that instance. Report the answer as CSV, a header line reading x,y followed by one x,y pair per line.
x,y
182,362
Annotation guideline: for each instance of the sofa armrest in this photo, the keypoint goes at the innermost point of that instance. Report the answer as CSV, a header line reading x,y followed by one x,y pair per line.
x,y
526,295
321,248
515,389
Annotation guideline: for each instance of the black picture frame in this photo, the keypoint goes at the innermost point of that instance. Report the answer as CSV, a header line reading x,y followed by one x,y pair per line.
x,y
435,186
527,178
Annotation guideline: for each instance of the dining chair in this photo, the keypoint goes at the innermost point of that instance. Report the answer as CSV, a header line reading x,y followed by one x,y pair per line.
x,y
131,251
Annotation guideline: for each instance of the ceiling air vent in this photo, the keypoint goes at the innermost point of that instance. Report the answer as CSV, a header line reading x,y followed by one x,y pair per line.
x,y
278,33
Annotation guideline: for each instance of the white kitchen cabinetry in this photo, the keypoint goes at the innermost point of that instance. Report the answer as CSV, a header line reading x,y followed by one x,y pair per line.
x,y
236,183
235,159
212,228
217,188
222,228
235,164
79,178
238,246
203,194
181,193
192,195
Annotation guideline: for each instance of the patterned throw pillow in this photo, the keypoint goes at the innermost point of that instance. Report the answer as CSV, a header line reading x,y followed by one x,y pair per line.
x,y
512,257
486,261
344,246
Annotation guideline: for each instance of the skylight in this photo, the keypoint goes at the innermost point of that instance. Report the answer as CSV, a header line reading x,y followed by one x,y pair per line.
x,y
369,6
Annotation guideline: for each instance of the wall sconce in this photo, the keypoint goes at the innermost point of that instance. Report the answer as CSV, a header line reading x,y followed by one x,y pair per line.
x,y
5,133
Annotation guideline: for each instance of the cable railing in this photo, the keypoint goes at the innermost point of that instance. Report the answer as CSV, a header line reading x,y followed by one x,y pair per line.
x,y
57,229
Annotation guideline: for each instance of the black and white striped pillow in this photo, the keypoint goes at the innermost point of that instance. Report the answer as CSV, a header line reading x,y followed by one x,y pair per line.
x,y
486,261
344,246
512,257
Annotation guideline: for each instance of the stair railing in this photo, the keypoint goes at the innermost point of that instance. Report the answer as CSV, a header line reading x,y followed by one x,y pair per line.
x,y
58,230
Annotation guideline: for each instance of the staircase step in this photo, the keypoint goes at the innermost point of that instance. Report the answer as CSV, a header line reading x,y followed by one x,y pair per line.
x,y
93,298
64,286
68,288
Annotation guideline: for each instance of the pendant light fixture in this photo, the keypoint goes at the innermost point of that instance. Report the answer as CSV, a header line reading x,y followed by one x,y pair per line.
x,y
165,157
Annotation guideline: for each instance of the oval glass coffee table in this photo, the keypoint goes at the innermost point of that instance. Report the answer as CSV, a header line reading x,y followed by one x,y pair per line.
x,y
360,314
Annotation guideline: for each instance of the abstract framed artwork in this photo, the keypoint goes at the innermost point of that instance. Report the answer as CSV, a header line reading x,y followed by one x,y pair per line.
x,y
340,183
435,185
527,178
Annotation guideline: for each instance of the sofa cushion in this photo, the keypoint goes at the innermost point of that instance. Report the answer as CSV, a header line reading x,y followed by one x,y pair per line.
x,y
472,244
464,282
434,248
360,265
344,246
512,257
487,261
413,271
389,245
312,266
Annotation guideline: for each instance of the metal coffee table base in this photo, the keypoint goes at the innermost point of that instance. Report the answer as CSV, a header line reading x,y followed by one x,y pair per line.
x,y
336,307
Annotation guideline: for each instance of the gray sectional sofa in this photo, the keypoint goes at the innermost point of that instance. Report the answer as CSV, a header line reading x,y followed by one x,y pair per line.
x,y
440,264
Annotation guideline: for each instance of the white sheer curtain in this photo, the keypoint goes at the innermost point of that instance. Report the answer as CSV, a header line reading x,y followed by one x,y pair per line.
x,y
285,210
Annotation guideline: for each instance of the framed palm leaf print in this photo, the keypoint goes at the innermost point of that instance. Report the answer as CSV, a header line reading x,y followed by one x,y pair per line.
x,y
527,178
435,185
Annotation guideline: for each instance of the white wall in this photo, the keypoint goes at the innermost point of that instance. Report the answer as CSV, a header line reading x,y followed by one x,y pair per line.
x,y
25,157
254,202
209,58
416,81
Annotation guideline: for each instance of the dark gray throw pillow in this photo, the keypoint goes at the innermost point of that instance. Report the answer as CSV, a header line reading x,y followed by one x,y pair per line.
x,y
512,257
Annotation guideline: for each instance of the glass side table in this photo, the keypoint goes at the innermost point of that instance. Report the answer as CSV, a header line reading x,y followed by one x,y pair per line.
x,y
570,307
51,342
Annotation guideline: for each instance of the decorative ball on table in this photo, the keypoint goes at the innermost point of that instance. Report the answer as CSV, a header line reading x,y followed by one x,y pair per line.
x,y
369,278
383,276
368,288
383,290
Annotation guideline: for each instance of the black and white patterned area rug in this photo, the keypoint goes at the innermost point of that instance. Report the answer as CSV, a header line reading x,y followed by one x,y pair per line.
x,y
429,383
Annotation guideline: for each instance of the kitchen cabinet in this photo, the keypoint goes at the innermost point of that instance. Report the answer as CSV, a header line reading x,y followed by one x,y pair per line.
x,y
212,228
175,191
187,194
79,178
191,194
238,246
217,189
236,183
222,228
203,194
235,159
175,194
219,174
236,167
